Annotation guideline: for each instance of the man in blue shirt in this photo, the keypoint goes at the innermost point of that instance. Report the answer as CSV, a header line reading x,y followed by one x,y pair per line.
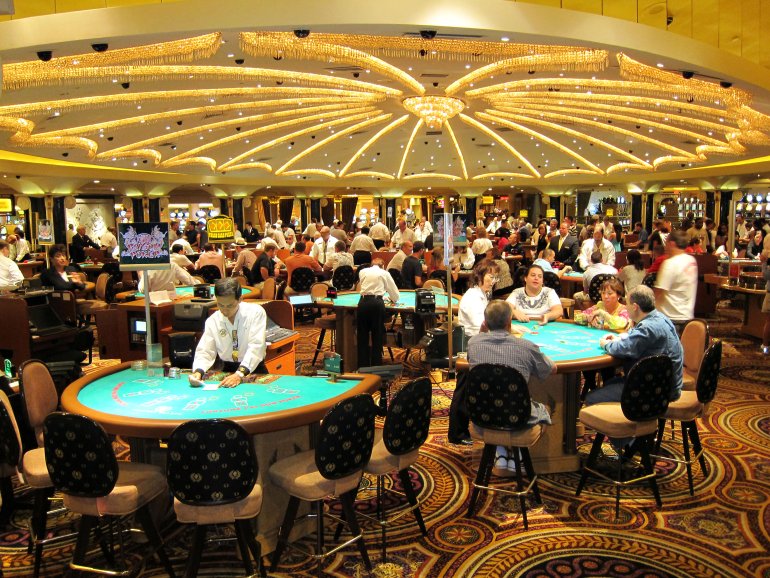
x,y
653,334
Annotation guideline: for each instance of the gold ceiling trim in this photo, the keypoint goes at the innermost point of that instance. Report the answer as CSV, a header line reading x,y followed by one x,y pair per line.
x,y
432,175
370,174
408,147
571,59
383,131
508,146
246,166
288,45
456,144
502,174
309,172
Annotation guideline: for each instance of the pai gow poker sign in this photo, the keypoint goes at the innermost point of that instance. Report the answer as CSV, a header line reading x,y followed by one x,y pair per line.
x,y
143,246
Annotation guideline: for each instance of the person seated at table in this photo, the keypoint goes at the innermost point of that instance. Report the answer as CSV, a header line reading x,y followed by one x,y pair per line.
x,y
504,283
10,274
695,247
245,259
652,334
754,248
178,256
339,257
165,279
60,274
297,260
633,273
597,242
609,313
398,259
596,267
210,256
362,242
546,261
496,344
412,272
482,244
534,300
375,284
266,266
438,270
471,318
234,335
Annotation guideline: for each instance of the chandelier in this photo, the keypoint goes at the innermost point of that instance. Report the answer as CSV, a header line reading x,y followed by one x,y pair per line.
x,y
434,110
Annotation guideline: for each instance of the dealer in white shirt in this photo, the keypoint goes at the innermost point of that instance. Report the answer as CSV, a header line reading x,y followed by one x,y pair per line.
x,y
235,334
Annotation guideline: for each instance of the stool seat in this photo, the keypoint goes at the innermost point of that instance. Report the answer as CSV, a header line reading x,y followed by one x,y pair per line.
x,y
525,438
299,476
326,322
608,418
34,469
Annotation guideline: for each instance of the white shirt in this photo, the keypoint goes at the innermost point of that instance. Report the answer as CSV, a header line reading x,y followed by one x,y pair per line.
x,y
400,236
165,279
181,260
338,260
471,311
362,243
422,232
540,304
279,238
188,250
318,253
588,247
379,232
10,274
397,261
22,248
493,226
219,337
481,246
678,278
108,240
375,281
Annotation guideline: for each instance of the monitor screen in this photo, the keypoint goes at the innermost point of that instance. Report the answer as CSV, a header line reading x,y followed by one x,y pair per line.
x,y
43,317
138,326
143,246
300,300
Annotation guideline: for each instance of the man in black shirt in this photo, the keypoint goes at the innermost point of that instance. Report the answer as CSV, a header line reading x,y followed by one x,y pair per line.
x,y
250,233
411,270
265,266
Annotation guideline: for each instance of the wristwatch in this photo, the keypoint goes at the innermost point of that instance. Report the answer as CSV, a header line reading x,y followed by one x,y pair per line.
x,y
243,371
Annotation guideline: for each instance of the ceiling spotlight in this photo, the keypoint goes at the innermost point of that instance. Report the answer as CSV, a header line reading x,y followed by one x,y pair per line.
x,y
125,85
239,61
725,84
428,34
100,46
45,55
688,74
302,33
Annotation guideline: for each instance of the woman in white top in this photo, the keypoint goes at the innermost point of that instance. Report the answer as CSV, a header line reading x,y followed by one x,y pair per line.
x,y
475,299
534,301
482,244
632,274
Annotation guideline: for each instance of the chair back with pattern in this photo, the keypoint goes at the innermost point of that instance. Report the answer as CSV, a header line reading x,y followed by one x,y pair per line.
x,y
408,420
319,291
344,277
433,283
10,439
346,437
210,273
302,278
498,397
397,278
695,340
361,257
708,375
210,462
551,279
38,391
647,388
649,280
594,290
79,456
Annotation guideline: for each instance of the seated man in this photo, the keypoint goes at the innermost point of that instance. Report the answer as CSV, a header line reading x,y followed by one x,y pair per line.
x,y
596,243
412,270
338,258
299,259
546,261
179,258
265,266
595,268
653,334
398,259
245,260
233,335
10,274
496,344
164,279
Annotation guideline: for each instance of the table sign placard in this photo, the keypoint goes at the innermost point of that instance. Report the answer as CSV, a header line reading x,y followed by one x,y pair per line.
x,y
221,229
143,246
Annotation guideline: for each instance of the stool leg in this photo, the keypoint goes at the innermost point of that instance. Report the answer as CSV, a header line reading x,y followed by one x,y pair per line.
x,y
644,451
661,430
285,530
350,517
145,518
482,476
240,534
595,449
527,458
696,445
406,482
196,550
687,460
319,345
81,545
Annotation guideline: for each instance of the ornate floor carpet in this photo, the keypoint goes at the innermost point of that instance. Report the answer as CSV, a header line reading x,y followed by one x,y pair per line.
x,y
724,530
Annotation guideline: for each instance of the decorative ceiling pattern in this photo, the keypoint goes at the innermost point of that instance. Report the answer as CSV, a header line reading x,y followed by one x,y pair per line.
x,y
337,107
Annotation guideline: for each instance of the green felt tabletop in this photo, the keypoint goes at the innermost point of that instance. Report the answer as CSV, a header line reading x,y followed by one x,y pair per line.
x,y
187,291
406,300
565,341
134,394
574,274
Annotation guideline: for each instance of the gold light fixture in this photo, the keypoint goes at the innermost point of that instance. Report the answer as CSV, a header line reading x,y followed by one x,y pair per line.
x,y
434,110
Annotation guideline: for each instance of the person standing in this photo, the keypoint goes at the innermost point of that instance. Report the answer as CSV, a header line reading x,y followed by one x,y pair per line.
x,y
323,248
110,242
250,234
79,243
565,246
234,334
677,282
380,234
401,235
370,317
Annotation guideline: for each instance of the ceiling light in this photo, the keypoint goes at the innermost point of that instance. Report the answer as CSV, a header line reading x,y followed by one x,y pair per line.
x,y
434,110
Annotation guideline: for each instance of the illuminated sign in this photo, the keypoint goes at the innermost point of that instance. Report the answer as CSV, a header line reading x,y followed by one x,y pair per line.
x,y
6,205
221,229
550,213
487,200
524,213
143,246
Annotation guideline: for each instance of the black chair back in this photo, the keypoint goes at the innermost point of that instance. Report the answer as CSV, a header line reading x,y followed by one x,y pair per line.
x,y
594,290
441,275
79,455
708,374
649,280
346,437
210,273
397,278
344,277
551,279
210,462
498,397
302,279
647,389
361,257
10,443
408,420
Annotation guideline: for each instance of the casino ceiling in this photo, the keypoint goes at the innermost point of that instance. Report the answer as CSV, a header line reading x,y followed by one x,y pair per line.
x,y
453,94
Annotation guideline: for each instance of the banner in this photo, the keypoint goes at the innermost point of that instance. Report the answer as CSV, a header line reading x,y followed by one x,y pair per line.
x,y
143,246
221,229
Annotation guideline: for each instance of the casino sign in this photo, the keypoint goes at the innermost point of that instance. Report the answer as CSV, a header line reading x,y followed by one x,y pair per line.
x,y
221,229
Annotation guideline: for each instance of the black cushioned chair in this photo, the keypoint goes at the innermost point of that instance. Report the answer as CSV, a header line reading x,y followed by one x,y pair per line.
x,y
551,279
649,280
397,447
84,469
10,455
302,279
644,400
499,407
210,273
397,278
344,278
594,290
212,472
361,257
333,468
691,406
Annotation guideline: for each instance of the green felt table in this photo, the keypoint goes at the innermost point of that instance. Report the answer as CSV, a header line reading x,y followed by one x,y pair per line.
x,y
573,275
571,346
187,291
133,403
405,301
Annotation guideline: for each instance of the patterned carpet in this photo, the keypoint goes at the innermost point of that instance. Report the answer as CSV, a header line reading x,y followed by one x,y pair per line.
x,y
724,530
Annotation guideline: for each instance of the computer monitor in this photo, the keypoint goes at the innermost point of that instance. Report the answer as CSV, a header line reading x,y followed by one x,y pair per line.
x,y
139,326
296,300
43,317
